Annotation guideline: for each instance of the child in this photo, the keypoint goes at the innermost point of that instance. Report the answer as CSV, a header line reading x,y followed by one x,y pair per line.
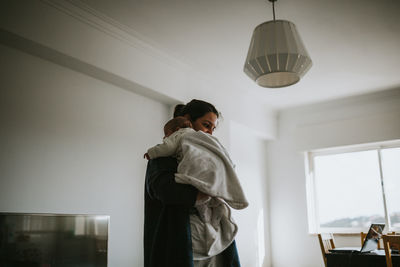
x,y
204,163
174,130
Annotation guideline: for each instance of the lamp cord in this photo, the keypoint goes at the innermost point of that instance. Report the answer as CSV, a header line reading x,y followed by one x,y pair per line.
x,y
273,9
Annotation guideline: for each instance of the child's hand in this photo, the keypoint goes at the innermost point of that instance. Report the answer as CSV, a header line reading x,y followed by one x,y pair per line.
x,y
146,156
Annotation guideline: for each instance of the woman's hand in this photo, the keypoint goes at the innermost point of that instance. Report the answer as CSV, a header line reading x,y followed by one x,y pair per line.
x,y
146,156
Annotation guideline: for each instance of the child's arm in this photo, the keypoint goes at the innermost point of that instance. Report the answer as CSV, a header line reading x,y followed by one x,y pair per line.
x,y
166,149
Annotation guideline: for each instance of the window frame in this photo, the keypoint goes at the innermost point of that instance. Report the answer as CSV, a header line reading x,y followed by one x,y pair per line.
x,y
312,199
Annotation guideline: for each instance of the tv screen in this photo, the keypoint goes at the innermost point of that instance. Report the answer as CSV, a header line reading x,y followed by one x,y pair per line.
x,y
53,240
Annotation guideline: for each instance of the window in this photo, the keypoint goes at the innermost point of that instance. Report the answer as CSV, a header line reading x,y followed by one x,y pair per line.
x,y
348,188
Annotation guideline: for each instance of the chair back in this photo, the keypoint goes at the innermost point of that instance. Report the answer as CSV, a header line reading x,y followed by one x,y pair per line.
x,y
326,243
390,242
364,235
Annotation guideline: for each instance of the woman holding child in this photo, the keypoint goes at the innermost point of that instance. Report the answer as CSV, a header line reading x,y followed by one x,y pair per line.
x,y
169,205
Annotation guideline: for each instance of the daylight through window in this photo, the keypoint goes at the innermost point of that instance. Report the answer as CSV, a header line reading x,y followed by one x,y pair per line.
x,y
349,188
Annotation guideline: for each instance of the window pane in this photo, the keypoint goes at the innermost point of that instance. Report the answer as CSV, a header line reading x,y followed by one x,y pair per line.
x,y
391,176
348,189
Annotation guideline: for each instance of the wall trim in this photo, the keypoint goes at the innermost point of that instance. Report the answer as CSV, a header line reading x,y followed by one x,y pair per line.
x,y
113,28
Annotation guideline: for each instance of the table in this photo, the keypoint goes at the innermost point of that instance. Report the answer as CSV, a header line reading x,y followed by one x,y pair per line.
x,y
372,259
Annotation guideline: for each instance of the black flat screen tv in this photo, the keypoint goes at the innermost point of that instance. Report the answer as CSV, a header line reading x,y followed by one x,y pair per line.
x,y
53,240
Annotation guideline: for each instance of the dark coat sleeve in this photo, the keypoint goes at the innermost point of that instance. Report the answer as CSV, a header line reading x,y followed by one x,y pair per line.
x,y
161,185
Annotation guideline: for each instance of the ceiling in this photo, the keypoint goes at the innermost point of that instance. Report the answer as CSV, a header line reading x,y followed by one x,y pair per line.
x,y
354,44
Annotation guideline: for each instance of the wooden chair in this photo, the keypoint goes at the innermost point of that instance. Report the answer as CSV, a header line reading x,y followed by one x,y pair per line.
x,y
326,243
363,236
390,242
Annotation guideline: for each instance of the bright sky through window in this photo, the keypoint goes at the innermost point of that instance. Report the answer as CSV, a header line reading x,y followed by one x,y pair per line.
x,y
346,190
348,186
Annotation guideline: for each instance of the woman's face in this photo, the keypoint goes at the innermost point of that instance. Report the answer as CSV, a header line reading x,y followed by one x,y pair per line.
x,y
206,123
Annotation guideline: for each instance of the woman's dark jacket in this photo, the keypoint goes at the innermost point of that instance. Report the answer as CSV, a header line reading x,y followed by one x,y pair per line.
x,y
167,238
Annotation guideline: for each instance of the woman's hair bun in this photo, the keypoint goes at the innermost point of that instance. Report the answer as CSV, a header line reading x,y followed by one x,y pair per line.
x,y
178,111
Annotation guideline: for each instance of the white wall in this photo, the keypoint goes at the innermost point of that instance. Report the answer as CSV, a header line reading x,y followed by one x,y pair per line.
x,y
355,120
249,151
73,144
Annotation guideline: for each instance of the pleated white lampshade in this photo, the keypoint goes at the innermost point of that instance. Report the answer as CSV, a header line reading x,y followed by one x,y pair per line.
x,y
277,56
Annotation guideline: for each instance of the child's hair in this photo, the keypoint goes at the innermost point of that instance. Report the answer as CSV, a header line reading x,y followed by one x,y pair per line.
x,y
195,109
176,123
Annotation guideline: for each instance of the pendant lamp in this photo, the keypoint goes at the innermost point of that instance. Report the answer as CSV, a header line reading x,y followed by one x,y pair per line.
x,y
277,56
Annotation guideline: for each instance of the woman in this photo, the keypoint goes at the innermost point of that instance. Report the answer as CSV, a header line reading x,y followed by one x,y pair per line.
x,y
168,205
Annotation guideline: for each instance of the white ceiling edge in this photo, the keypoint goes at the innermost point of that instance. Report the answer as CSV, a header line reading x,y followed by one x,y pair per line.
x,y
85,42
14,41
107,25
364,105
